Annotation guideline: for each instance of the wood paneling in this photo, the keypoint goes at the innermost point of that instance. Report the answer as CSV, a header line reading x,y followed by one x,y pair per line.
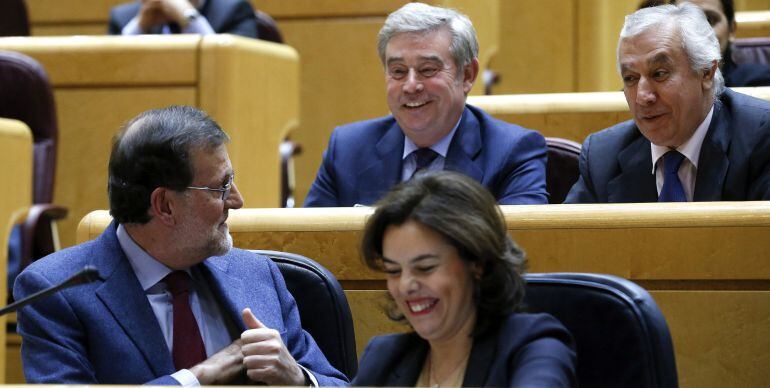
x,y
16,159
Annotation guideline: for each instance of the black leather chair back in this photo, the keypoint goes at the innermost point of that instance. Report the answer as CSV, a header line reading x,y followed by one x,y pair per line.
x,y
323,308
27,96
13,18
267,28
751,50
561,171
622,337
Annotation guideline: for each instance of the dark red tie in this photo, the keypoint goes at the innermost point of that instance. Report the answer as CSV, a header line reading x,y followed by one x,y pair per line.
x,y
187,346
423,157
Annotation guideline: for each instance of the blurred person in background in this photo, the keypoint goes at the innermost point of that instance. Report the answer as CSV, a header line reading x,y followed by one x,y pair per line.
x,y
183,17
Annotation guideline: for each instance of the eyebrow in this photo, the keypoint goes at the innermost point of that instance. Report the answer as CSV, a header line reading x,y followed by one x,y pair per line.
x,y
660,58
412,260
429,58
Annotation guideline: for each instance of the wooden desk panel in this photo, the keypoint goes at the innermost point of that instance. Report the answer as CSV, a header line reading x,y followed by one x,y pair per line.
x,y
250,87
16,159
572,116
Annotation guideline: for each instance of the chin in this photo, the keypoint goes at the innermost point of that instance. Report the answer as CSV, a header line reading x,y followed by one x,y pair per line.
x,y
222,245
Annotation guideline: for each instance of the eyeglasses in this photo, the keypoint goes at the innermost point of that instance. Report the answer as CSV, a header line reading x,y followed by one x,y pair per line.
x,y
225,190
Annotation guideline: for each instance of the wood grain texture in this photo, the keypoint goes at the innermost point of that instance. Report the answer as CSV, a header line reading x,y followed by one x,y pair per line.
x,y
16,159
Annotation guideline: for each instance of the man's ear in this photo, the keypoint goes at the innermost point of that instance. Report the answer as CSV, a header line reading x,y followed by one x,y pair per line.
x,y
162,204
470,72
708,76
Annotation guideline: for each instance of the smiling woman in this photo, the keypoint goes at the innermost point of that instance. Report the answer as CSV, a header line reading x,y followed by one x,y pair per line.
x,y
455,276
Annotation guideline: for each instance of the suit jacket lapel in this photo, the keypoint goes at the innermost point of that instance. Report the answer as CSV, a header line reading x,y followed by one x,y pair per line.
x,y
124,297
228,290
635,183
480,360
383,170
465,147
713,162
408,368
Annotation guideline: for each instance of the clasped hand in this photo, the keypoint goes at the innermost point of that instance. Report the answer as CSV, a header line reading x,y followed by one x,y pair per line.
x,y
260,352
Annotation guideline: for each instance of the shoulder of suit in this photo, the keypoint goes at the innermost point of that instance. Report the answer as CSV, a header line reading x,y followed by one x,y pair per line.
x,y
365,127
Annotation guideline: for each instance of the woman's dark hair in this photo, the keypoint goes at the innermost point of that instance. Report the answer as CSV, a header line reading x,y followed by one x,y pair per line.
x,y
154,150
466,215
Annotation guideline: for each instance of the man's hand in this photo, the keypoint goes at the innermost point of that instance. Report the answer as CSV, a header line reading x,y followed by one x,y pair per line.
x,y
159,12
265,356
221,368
175,10
151,14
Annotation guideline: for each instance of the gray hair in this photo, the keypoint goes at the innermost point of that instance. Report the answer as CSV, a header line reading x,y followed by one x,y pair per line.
x,y
699,42
418,17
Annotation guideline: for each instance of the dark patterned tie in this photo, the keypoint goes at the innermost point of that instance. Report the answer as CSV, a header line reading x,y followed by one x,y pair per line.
x,y
672,190
187,346
423,157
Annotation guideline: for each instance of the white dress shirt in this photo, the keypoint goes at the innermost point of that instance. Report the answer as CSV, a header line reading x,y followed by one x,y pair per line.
x,y
688,170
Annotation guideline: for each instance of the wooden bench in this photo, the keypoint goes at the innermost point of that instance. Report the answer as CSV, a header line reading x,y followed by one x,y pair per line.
x,y
16,159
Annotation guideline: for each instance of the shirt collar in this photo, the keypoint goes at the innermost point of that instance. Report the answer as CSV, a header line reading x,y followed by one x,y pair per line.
x,y
690,148
441,147
148,270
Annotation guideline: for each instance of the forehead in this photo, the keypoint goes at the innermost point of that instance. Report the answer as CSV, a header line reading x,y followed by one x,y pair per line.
x,y
651,46
409,45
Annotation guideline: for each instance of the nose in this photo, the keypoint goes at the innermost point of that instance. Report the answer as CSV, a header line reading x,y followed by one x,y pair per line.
x,y
408,284
234,200
412,84
645,92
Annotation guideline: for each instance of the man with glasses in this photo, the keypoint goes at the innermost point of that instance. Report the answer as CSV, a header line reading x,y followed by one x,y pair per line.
x,y
174,302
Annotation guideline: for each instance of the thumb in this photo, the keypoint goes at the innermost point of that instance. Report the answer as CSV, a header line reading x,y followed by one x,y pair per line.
x,y
250,320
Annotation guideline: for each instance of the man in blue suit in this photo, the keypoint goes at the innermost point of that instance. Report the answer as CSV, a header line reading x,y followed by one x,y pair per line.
x,y
430,59
174,302
690,139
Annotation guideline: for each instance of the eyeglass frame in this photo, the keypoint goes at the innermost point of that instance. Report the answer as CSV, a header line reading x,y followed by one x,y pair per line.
x,y
225,190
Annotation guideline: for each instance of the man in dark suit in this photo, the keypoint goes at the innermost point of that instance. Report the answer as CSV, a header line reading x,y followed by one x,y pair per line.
x,y
690,140
174,302
430,59
184,16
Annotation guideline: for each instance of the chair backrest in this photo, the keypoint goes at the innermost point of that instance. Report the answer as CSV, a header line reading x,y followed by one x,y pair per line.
x,y
751,50
561,171
13,18
323,308
622,337
26,96
267,28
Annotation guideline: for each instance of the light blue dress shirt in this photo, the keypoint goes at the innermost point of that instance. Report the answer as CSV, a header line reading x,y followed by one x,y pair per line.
x,y
441,147
205,308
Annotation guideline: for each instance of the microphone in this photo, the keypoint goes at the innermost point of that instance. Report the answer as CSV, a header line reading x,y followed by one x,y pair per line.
x,y
88,274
